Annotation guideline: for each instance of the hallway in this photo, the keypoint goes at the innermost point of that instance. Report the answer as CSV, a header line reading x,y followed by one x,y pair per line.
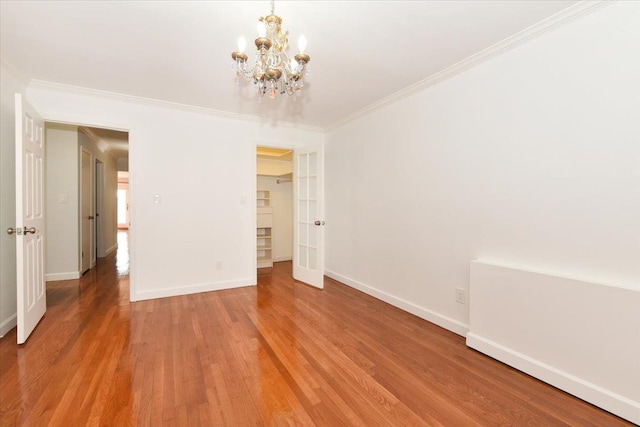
x,y
280,353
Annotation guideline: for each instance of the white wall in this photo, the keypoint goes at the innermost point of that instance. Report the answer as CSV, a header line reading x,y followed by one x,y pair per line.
x,y
201,166
282,208
9,86
531,159
62,198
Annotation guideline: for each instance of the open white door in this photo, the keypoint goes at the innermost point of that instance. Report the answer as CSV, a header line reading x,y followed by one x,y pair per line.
x,y
32,298
86,219
308,212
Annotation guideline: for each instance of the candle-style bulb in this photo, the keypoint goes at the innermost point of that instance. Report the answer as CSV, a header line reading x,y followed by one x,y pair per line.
x,y
302,43
242,44
262,29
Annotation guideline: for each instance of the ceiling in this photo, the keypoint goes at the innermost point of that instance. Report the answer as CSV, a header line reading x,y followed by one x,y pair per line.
x,y
361,51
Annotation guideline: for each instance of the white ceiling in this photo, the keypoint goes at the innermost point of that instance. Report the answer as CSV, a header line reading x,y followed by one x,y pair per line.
x,y
361,51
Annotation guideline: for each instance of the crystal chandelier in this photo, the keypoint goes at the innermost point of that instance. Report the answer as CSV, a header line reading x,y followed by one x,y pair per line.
x,y
273,70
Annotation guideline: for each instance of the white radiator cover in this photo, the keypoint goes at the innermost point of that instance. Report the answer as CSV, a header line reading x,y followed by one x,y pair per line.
x,y
579,336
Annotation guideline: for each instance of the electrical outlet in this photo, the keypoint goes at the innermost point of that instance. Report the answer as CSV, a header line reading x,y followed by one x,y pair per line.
x,y
461,296
218,264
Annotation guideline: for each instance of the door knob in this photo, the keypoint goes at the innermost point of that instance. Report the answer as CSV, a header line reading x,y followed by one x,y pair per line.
x,y
90,217
31,230
11,230
319,223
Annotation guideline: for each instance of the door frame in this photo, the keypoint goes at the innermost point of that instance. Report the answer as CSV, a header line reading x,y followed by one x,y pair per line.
x,y
78,120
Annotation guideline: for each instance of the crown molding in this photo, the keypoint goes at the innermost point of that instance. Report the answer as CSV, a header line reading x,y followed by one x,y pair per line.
x,y
100,144
549,24
91,134
150,102
15,72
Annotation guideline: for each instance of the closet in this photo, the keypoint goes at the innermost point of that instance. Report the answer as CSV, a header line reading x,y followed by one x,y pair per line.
x,y
274,203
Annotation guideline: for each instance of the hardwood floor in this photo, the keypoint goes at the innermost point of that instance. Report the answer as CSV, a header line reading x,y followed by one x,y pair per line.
x,y
281,353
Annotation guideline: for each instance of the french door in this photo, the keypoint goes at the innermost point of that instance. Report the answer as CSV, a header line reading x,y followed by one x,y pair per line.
x,y
308,233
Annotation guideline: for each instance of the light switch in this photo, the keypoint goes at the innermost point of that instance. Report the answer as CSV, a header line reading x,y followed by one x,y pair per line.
x,y
157,199
63,198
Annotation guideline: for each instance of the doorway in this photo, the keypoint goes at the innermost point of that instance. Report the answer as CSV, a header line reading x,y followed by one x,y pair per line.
x,y
299,175
123,200
81,196
274,202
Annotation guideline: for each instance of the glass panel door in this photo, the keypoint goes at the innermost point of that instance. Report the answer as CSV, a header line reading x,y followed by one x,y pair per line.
x,y
308,257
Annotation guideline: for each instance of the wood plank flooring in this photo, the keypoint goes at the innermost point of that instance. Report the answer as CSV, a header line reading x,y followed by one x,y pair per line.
x,y
281,353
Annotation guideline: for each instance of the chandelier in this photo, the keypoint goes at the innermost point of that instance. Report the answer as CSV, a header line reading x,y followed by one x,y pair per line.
x,y
273,70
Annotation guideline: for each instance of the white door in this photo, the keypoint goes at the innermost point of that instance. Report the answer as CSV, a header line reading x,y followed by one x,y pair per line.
x,y
86,219
32,296
99,226
308,212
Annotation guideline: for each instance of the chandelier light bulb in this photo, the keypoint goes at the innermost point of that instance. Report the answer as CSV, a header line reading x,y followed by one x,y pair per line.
x,y
262,29
302,43
242,44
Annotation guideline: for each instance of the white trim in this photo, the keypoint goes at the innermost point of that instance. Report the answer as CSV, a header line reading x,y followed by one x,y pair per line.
x,y
592,393
124,127
111,249
8,324
14,72
69,275
424,313
192,289
96,93
551,23
282,258
516,266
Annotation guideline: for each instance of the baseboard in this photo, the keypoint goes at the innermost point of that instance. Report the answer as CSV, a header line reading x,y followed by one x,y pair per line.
x,y
282,258
53,277
8,324
424,313
192,289
601,397
110,250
